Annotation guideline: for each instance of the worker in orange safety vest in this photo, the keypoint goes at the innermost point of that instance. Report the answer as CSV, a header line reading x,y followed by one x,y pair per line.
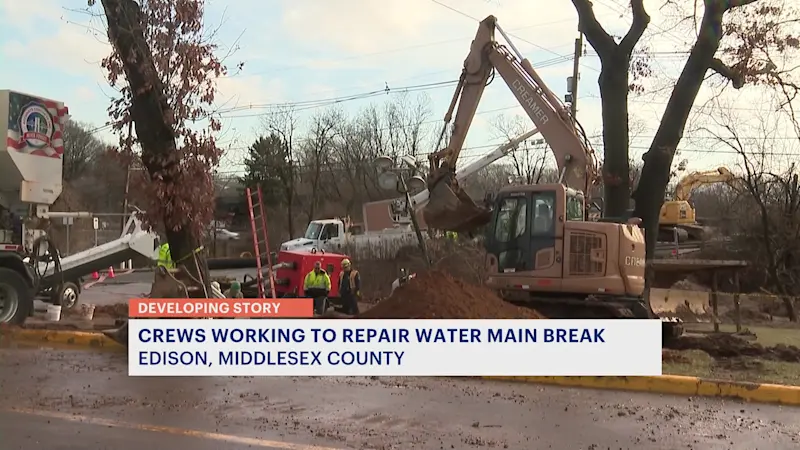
x,y
349,288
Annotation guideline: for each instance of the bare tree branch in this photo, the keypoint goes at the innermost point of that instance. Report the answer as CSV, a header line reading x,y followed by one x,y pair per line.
x,y
728,72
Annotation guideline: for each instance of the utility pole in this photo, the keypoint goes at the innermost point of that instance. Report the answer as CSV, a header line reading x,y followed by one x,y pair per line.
x,y
128,170
575,76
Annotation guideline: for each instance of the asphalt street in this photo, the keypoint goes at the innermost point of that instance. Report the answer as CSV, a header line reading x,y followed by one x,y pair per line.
x,y
75,399
63,431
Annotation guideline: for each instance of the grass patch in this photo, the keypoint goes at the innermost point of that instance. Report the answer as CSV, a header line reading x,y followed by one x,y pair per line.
x,y
765,335
697,363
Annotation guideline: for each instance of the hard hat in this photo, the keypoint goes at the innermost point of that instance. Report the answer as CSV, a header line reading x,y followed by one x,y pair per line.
x,y
235,286
345,262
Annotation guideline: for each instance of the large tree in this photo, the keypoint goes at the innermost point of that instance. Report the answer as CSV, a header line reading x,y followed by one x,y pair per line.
x,y
270,164
614,82
165,71
735,39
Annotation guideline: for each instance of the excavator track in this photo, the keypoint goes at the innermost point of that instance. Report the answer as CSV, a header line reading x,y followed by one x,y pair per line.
x,y
590,308
686,233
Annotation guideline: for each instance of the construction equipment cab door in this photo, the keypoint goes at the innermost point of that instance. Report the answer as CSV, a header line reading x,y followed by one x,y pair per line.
x,y
526,238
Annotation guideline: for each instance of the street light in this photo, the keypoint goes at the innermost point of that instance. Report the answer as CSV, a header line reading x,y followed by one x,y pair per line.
x,y
388,181
384,163
416,183
391,177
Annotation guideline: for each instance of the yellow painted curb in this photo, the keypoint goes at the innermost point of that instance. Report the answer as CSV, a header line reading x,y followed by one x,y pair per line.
x,y
678,385
81,339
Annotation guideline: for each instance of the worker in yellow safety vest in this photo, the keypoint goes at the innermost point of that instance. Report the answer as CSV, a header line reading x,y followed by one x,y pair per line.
x,y
165,257
317,285
451,235
349,288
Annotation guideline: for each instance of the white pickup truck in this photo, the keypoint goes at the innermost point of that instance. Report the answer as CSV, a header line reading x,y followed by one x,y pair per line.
x,y
335,235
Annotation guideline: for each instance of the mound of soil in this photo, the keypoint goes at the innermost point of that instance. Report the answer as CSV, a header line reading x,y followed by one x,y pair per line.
x,y
437,295
117,310
722,346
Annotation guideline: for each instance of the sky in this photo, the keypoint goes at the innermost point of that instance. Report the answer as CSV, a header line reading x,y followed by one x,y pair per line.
x,y
297,51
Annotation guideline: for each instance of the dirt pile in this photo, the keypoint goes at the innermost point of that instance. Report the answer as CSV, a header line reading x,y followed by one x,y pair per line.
x,y
437,295
117,310
723,346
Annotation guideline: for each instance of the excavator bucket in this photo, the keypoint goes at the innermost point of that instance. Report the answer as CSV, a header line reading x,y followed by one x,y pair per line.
x,y
449,207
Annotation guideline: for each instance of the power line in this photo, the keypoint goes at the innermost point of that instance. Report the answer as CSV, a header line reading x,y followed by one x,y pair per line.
x,y
397,50
509,33
466,157
304,105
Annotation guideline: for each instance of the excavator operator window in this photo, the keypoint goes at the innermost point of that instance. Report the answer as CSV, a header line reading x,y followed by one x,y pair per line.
x,y
511,219
574,207
544,204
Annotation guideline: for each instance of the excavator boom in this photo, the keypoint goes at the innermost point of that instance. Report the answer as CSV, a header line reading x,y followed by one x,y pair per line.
x,y
449,207
687,185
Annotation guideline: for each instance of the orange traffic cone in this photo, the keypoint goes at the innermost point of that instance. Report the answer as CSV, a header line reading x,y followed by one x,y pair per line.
x,y
95,276
110,271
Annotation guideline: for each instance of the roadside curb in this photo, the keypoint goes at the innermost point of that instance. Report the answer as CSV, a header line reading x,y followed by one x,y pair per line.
x,y
676,385
665,384
76,339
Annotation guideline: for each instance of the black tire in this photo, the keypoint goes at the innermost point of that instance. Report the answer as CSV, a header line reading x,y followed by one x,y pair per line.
x,y
67,295
15,294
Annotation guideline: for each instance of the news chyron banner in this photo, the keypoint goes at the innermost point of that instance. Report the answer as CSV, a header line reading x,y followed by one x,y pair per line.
x,y
169,337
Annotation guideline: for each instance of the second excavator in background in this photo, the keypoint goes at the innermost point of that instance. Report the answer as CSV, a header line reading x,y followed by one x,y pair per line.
x,y
678,215
541,249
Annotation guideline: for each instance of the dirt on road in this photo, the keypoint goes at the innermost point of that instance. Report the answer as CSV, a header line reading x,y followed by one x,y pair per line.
x,y
436,295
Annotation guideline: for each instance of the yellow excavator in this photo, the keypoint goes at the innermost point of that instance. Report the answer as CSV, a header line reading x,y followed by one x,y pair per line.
x,y
679,214
542,250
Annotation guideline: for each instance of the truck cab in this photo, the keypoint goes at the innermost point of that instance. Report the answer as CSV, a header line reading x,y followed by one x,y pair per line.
x,y
325,234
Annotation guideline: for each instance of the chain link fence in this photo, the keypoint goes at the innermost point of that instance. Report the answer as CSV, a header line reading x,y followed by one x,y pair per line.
x,y
73,235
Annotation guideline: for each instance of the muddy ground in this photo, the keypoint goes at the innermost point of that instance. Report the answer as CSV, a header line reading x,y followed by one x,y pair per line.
x,y
721,346
369,413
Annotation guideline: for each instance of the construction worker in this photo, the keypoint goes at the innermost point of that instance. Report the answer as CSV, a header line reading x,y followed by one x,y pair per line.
x,y
349,288
452,236
317,285
235,291
165,257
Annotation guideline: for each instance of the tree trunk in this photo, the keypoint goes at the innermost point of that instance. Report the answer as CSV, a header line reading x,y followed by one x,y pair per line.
x,y
151,115
788,302
649,195
613,84
289,192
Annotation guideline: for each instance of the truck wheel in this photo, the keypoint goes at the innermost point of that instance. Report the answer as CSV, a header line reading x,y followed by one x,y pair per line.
x,y
66,295
16,298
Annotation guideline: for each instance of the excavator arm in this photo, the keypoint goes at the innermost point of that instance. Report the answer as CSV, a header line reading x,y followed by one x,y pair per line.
x,y
449,207
687,185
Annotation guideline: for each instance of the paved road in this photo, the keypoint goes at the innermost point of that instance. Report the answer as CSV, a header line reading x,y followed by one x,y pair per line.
x,y
64,431
374,413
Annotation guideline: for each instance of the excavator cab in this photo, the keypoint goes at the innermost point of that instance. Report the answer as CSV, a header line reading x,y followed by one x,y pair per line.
x,y
542,253
449,207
